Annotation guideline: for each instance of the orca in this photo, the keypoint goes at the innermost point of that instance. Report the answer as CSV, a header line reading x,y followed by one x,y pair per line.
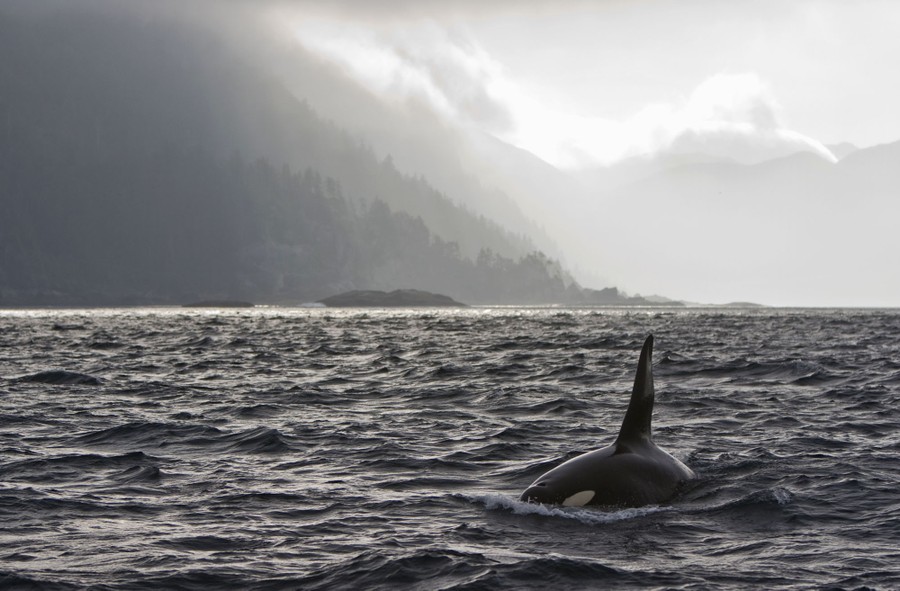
x,y
631,472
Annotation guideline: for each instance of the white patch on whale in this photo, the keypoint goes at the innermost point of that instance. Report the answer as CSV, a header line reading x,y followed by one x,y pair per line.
x,y
579,499
587,515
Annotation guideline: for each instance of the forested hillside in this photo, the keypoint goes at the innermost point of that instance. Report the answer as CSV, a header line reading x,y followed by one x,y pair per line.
x,y
142,162
183,225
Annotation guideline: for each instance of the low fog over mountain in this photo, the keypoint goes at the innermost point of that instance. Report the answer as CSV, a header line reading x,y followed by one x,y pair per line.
x,y
285,151
822,230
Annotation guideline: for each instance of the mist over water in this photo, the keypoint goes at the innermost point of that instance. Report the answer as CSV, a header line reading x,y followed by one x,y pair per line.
x,y
320,449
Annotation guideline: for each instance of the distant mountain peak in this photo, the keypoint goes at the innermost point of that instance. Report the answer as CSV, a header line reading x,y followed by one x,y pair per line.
x,y
747,147
842,149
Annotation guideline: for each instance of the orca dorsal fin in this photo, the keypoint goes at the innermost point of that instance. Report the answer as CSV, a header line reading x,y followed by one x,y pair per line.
x,y
636,425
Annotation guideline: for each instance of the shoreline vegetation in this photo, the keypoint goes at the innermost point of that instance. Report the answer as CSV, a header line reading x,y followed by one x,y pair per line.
x,y
398,298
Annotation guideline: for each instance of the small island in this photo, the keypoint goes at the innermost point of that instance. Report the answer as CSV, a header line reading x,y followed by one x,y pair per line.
x,y
399,298
219,304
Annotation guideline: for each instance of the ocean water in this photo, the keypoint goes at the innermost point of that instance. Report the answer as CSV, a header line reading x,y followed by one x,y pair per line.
x,y
386,449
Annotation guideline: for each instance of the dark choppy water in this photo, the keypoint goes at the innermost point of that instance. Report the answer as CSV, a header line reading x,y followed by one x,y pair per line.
x,y
318,449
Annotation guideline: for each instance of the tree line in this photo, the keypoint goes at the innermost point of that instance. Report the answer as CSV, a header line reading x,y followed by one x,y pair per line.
x,y
184,225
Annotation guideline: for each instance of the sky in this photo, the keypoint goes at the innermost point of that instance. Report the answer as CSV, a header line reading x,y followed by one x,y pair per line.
x,y
587,85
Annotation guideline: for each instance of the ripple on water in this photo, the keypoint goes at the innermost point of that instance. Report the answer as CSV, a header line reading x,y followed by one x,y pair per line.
x,y
279,448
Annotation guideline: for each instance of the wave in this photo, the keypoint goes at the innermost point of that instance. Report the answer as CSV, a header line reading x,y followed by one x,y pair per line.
x,y
162,435
261,410
301,468
61,377
13,581
767,498
65,327
459,568
72,466
770,496
26,504
565,373
425,482
105,345
589,516
204,342
138,474
143,433
746,506
377,570
602,343
552,571
561,405
211,543
744,371
257,440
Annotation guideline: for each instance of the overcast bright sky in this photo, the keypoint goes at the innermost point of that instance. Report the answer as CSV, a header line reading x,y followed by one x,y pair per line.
x,y
585,82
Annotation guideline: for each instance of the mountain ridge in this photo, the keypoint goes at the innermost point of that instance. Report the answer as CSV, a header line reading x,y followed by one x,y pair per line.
x,y
156,172
785,221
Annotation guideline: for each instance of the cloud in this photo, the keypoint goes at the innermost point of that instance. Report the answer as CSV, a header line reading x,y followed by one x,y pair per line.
x,y
735,116
422,61
732,116
438,65
733,99
397,11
